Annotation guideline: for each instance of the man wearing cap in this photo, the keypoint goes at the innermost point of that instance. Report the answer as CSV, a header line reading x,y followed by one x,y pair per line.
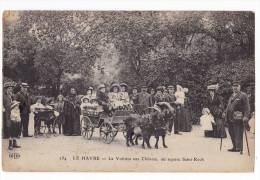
x,y
7,101
24,99
237,113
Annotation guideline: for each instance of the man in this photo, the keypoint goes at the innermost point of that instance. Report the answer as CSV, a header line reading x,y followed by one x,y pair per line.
x,y
251,99
172,99
143,98
237,113
7,101
24,99
152,97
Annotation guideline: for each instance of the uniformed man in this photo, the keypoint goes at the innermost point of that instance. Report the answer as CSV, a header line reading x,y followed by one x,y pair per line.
x,y
237,114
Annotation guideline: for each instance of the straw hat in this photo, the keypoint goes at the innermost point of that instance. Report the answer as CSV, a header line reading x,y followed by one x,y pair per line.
x,y
14,103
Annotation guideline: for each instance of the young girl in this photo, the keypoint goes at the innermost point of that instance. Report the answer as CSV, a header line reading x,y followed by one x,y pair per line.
x,y
206,121
15,125
115,97
124,96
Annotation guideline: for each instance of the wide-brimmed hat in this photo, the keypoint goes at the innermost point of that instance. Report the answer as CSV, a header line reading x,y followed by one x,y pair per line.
x,y
170,87
206,111
159,88
14,103
84,97
8,84
24,85
90,88
115,85
101,86
213,87
126,86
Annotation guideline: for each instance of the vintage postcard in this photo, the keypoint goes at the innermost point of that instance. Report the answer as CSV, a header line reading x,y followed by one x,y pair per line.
x,y
128,91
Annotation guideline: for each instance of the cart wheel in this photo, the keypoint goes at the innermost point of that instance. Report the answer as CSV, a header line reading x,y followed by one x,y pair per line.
x,y
87,128
106,132
55,127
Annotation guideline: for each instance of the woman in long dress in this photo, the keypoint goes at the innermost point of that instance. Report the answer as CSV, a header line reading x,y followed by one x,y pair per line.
x,y
72,113
182,113
216,107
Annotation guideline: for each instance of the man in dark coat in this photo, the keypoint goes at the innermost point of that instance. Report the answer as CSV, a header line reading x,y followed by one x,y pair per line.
x,y
7,100
237,113
24,99
143,99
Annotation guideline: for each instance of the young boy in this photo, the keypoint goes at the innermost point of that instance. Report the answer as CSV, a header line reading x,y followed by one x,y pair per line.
x,y
102,99
15,125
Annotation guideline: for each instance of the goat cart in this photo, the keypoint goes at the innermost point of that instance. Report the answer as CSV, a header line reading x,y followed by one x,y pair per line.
x,y
108,126
45,119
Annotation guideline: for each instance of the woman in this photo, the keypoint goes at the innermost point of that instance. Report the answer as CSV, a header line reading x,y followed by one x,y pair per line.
x,y
72,113
182,113
60,109
159,97
215,105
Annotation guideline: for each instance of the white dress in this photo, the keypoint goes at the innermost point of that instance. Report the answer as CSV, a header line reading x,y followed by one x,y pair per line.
x,y
206,122
180,96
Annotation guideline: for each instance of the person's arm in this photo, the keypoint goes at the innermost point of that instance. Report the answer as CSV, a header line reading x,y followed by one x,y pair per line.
x,y
246,108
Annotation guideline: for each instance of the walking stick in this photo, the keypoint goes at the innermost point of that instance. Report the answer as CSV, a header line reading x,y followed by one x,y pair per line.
x,y
247,143
220,143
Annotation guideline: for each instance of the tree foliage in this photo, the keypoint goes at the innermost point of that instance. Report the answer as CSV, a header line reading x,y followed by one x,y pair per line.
x,y
193,49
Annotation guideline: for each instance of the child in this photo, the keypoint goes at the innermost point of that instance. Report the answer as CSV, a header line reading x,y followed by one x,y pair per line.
x,y
15,125
35,108
102,99
115,97
206,121
124,96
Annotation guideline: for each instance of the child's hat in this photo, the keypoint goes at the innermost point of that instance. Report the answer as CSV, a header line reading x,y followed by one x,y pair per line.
x,y
205,111
14,103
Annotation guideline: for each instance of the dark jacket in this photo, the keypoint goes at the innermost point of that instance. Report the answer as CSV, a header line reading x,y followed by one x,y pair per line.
x,y
143,98
24,100
240,103
215,105
7,101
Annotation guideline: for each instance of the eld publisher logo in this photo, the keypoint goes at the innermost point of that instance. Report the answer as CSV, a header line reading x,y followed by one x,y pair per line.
x,y
14,155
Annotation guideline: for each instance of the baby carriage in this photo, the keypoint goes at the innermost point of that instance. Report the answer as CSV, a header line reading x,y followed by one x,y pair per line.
x,y
45,119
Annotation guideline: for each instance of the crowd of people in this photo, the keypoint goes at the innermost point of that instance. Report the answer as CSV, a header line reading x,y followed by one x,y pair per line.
x,y
17,109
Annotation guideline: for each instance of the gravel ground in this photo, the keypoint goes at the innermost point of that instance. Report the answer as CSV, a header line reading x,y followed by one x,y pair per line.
x,y
186,152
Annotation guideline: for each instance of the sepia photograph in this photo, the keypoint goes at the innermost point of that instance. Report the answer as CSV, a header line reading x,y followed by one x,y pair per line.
x,y
128,91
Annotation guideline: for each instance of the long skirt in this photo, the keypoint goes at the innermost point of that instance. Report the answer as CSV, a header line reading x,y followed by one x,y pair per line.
x,y
72,121
219,128
183,117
